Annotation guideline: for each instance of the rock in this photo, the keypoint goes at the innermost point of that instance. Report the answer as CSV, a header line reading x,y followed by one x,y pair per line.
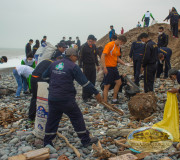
x,y
52,149
166,158
14,141
4,157
118,132
55,155
29,138
68,154
143,105
113,150
26,149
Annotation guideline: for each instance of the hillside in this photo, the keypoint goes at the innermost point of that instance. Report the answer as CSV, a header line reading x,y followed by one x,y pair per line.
x,y
132,35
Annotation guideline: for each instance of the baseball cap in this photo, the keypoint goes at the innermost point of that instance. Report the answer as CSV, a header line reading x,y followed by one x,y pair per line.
x,y
71,51
62,44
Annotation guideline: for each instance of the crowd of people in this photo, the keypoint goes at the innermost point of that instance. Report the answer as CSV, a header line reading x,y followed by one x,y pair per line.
x,y
61,70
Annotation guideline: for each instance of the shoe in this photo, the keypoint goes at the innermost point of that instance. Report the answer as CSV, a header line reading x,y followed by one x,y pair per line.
x,y
26,92
17,98
31,121
93,140
116,102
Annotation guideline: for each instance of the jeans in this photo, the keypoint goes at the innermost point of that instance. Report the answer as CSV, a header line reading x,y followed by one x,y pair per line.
x,y
20,81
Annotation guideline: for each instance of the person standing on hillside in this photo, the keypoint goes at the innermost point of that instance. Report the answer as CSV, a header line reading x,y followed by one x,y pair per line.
x,y
138,25
28,47
88,61
35,47
162,38
164,55
136,54
109,60
174,18
146,18
78,43
150,58
43,41
111,33
122,30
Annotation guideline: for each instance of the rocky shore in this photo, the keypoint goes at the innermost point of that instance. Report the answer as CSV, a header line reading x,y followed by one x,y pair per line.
x,y
16,137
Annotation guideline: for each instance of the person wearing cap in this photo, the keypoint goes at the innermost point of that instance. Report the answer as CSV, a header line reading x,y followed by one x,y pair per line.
x,y
35,78
136,55
111,33
146,18
43,41
3,59
164,55
88,61
60,51
109,60
174,74
28,47
61,98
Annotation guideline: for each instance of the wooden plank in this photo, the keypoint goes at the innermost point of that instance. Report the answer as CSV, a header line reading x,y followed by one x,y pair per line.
x,y
18,157
36,153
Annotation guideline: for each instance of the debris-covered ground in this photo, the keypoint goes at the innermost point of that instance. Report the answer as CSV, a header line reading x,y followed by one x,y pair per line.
x,y
16,134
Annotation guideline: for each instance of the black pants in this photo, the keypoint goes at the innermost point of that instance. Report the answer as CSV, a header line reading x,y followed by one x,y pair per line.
x,y
137,70
175,29
149,77
32,108
160,69
71,109
90,73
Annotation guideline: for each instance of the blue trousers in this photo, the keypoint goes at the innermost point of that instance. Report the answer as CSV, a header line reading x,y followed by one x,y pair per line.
x,y
147,19
175,29
21,81
71,109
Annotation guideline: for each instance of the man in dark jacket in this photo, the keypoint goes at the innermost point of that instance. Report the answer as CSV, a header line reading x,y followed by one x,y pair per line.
x,y
174,74
174,17
150,58
88,61
63,40
164,55
136,53
28,47
35,78
162,38
60,51
78,43
62,94
43,41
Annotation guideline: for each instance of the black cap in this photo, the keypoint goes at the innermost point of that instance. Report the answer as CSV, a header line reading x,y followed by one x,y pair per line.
x,y
62,44
91,37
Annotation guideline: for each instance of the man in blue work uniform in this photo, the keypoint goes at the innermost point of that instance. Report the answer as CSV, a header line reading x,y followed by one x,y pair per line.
x,y
164,55
62,94
136,54
162,38
111,32
150,58
60,51
174,74
174,17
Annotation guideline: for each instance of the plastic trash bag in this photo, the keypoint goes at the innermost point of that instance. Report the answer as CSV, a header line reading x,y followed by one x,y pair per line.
x,y
170,120
154,22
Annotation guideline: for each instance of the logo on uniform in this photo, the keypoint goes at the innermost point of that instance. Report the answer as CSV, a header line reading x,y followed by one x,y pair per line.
x,y
60,66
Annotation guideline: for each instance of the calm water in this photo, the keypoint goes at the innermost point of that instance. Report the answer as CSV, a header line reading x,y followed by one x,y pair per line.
x,y
14,55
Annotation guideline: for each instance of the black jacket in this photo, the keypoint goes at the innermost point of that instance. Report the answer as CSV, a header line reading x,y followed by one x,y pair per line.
x,y
151,53
174,17
88,55
27,48
163,40
35,48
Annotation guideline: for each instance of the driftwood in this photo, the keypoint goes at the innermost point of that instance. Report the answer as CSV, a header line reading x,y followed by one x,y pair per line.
x,y
121,144
70,145
112,108
39,154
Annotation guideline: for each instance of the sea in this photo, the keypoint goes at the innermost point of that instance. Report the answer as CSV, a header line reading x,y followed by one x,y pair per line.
x,y
14,55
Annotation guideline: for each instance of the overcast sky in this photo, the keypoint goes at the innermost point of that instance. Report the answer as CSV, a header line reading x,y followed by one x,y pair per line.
x,y
21,20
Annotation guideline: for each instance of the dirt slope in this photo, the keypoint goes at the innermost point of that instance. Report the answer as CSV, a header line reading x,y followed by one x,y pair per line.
x,y
132,35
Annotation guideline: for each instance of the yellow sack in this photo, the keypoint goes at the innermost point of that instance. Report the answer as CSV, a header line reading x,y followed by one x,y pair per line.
x,y
170,120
